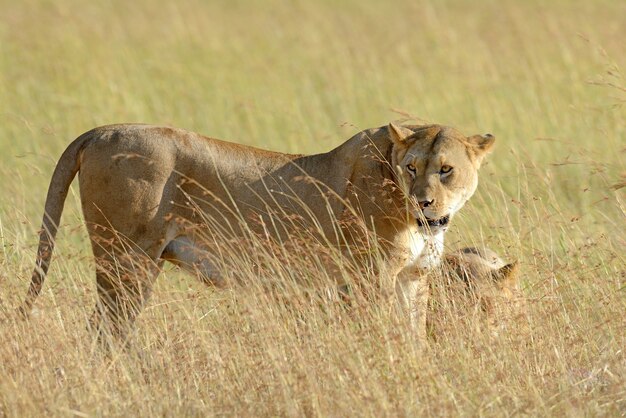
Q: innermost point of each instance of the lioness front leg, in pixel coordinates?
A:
(413, 291)
(412, 285)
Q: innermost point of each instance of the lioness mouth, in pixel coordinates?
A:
(433, 222)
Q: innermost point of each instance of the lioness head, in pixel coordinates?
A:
(437, 169)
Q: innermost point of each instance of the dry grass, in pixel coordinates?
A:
(302, 77)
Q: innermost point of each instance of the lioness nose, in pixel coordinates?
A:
(425, 203)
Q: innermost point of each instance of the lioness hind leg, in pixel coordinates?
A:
(123, 287)
(194, 258)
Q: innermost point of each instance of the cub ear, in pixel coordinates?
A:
(398, 133)
(507, 276)
(482, 145)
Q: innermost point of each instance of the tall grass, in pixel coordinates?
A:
(544, 78)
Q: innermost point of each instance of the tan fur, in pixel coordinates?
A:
(152, 193)
(479, 282)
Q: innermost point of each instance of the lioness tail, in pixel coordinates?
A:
(64, 173)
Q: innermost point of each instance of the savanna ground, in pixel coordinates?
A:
(544, 77)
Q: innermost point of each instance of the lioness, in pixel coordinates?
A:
(483, 287)
(143, 187)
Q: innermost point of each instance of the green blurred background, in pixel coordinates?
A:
(299, 76)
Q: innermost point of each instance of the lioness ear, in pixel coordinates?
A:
(507, 276)
(398, 133)
(482, 145)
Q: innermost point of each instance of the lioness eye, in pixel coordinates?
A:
(411, 168)
(445, 169)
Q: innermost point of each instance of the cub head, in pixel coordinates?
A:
(483, 271)
(478, 278)
(437, 170)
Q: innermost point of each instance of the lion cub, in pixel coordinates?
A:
(476, 287)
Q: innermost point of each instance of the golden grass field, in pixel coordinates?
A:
(544, 77)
